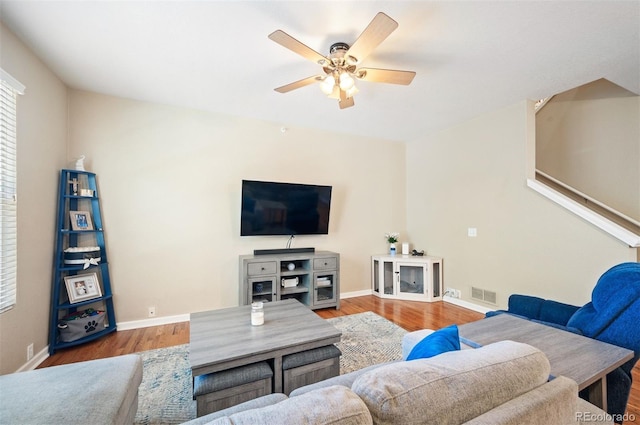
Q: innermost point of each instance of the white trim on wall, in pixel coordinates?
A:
(597, 220)
(156, 321)
(35, 361)
(356, 294)
(13, 82)
(466, 304)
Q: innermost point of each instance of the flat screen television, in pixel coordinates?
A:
(272, 208)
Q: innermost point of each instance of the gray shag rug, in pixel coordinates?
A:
(165, 394)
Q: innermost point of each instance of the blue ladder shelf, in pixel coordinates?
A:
(70, 198)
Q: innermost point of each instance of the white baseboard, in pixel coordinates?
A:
(466, 304)
(156, 321)
(40, 356)
(355, 294)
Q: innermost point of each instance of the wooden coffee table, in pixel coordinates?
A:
(224, 339)
(585, 360)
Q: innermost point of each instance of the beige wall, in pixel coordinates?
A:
(42, 120)
(170, 182)
(589, 138)
(474, 175)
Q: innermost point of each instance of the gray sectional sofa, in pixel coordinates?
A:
(101, 391)
(502, 383)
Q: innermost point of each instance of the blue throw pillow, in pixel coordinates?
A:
(441, 341)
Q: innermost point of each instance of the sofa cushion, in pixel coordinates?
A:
(336, 405)
(587, 413)
(551, 403)
(556, 312)
(614, 309)
(440, 341)
(345, 380)
(453, 387)
(256, 403)
(525, 305)
(96, 391)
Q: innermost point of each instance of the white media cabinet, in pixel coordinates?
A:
(407, 277)
(313, 278)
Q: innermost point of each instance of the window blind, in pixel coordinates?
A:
(9, 90)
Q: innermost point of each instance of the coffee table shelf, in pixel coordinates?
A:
(224, 339)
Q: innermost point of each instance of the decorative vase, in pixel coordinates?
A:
(392, 248)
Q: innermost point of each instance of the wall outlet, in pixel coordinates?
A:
(453, 293)
(152, 312)
(29, 351)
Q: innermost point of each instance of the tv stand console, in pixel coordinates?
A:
(313, 278)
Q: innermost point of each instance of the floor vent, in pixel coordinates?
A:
(484, 295)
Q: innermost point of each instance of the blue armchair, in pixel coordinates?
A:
(612, 316)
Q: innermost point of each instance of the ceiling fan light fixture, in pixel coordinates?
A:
(335, 93)
(340, 66)
(339, 49)
(346, 82)
(328, 84)
(352, 91)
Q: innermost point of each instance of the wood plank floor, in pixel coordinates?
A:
(410, 315)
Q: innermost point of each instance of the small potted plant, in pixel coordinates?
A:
(392, 238)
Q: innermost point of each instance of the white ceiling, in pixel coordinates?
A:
(470, 57)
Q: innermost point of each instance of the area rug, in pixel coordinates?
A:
(367, 339)
(165, 394)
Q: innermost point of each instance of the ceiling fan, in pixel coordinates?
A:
(340, 67)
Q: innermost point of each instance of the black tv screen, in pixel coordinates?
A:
(271, 208)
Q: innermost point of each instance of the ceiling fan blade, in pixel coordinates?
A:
(294, 45)
(391, 76)
(345, 102)
(298, 84)
(378, 29)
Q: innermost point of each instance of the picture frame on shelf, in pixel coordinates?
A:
(80, 220)
(82, 287)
